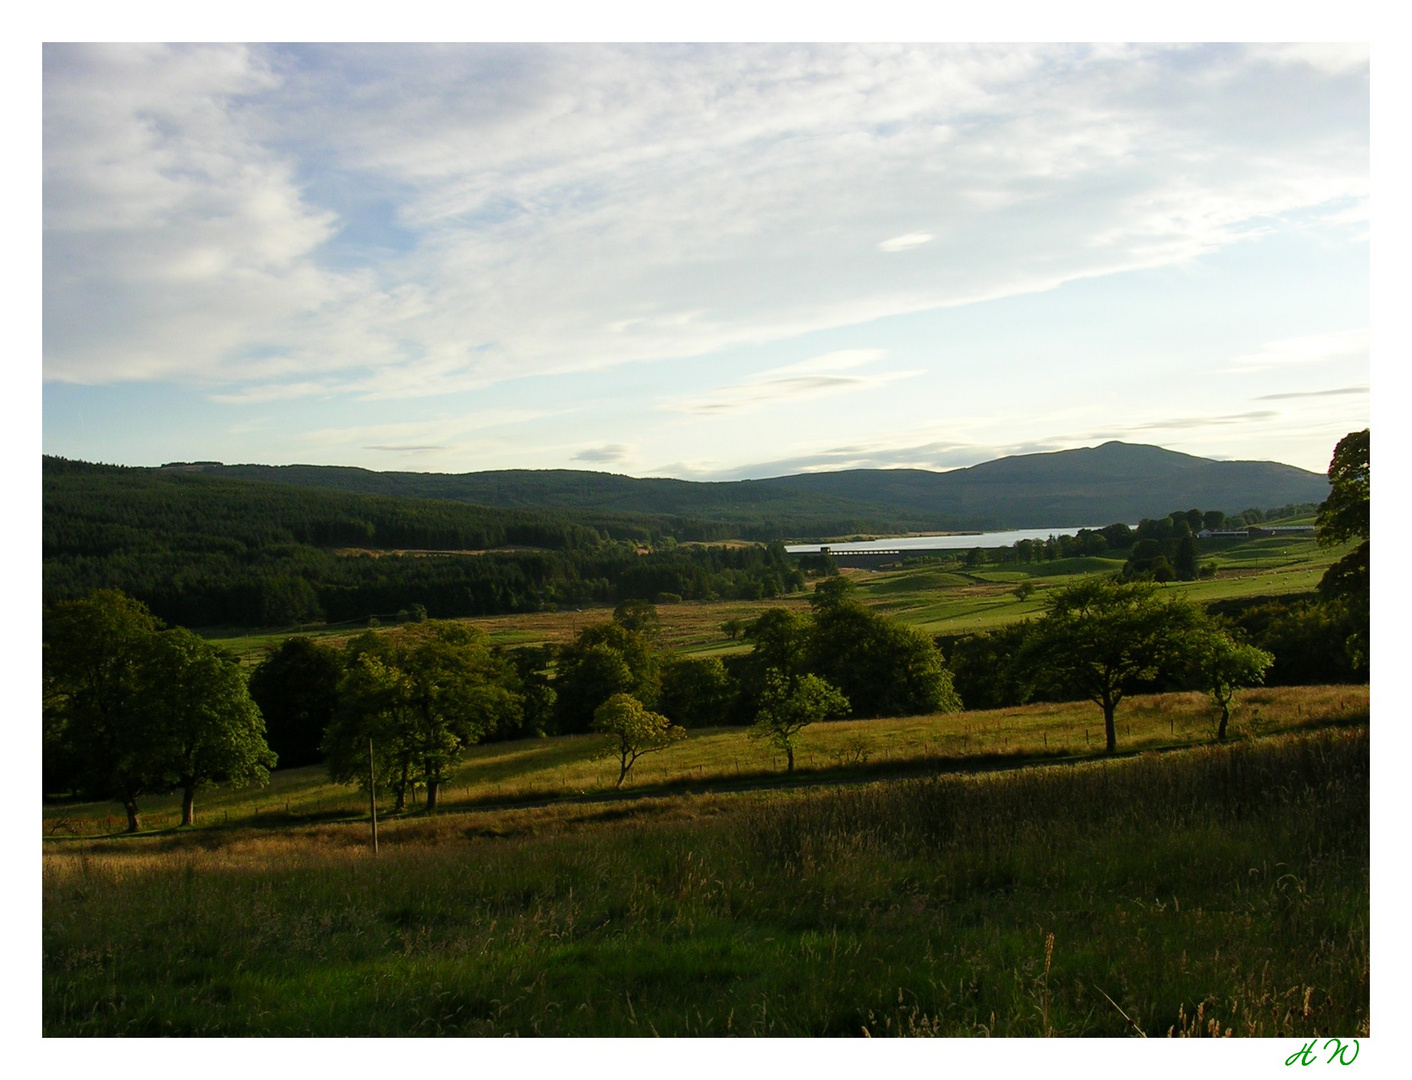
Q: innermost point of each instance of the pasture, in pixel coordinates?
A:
(938, 598)
(974, 873)
(1208, 891)
(569, 767)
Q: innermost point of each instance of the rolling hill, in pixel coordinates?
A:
(1091, 486)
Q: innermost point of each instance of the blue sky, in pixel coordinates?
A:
(702, 261)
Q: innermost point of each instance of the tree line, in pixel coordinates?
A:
(132, 707)
(204, 552)
(1309, 639)
(316, 698)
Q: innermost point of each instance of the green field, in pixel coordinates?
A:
(1206, 891)
(569, 767)
(972, 873)
(937, 598)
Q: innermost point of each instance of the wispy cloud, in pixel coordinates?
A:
(1185, 423)
(609, 454)
(935, 455)
(440, 433)
(906, 241)
(405, 221)
(818, 375)
(1309, 349)
(1340, 392)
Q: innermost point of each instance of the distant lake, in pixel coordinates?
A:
(962, 542)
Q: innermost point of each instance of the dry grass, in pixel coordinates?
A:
(1155, 894)
(569, 767)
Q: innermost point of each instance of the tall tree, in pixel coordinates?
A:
(1345, 515)
(604, 660)
(425, 692)
(1221, 666)
(696, 693)
(296, 689)
(639, 616)
(788, 706)
(206, 727)
(634, 730)
(137, 708)
(882, 667)
(371, 718)
(95, 665)
(1101, 637)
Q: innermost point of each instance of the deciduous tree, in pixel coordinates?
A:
(95, 686)
(882, 667)
(603, 660)
(634, 730)
(1222, 665)
(1345, 515)
(423, 694)
(696, 693)
(1101, 637)
(136, 708)
(788, 706)
(204, 725)
(296, 688)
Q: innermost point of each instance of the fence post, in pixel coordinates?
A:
(373, 795)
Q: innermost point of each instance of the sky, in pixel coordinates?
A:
(708, 262)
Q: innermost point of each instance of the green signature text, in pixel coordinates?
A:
(1308, 1055)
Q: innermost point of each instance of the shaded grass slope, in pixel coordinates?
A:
(1209, 891)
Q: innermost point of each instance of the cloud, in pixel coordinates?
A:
(807, 378)
(1332, 58)
(604, 455)
(907, 240)
(1343, 345)
(440, 433)
(402, 221)
(1185, 423)
(1315, 393)
(937, 455)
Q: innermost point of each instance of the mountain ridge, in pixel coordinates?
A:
(1114, 481)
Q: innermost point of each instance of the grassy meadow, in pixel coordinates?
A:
(1212, 890)
(938, 598)
(570, 767)
(975, 873)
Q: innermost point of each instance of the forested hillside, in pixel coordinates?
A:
(759, 510)
(204, 544)
(204, 551)
(1113, 482)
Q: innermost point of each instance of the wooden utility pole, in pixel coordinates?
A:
(372, 795)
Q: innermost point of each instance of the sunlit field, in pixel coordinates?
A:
(570, 767)
(936, 598)
(1209, 891)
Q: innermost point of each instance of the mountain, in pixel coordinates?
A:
(1091, 486)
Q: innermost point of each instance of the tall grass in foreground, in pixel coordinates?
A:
(1212, 891)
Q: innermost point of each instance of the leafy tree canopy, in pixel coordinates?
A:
(1101, 637)
(204, 726)
(1345, 515)
(131, 708)
(421, 694)
(296, 688)
(634, 730)
(789, 705)
(1221, 665)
